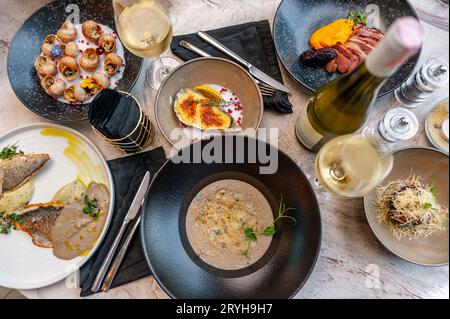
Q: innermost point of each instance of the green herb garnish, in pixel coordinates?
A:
(9, 151)
(7, 222)
(432, 189)
(251, 234)
(428, 206)
(91, 207)
(357, 17)
(5, 229)
(16, 218)
(210, 102)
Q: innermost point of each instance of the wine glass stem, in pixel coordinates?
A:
(164, 70)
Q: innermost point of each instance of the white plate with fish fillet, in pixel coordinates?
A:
(24, 265)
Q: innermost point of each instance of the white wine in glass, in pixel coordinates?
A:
(145, 28)
(351, 166)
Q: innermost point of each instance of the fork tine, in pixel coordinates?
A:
(267, 86)
(264, 89)
(267, 93)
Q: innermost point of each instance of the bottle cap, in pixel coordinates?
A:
(399, 124)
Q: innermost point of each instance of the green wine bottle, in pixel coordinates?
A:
(341, 106)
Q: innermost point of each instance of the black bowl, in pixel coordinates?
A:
(296, 20)
(280, 273)
(26, 46)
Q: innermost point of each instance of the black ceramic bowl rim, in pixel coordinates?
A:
(43, 115)
(312, 90)
(308, 184)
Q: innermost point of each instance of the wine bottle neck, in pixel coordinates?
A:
(401, 42)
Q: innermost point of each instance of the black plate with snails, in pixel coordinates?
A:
(26, 47)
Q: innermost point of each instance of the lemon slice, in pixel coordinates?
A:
(209, 93)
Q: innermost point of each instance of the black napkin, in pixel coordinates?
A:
(252, 41)
(113, 114)
(128, 173)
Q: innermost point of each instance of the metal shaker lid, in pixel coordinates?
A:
(399, 124)
(434, 73)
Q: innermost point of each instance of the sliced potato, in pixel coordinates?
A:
(71, 193)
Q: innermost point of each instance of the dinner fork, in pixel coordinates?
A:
(265, 89)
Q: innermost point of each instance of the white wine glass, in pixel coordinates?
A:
(145, 29)
(351, 166)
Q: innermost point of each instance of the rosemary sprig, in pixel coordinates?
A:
(211, 102)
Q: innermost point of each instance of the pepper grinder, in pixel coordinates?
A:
(398, 124)
(433, 75)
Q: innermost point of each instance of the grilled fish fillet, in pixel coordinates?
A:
(38, 222)
(16, 171)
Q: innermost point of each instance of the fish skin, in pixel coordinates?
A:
(19, 169)
(38, 222)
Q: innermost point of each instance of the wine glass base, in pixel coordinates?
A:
(157, 72)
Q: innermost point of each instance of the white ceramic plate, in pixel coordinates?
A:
(22, 264)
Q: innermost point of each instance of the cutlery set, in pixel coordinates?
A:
(267, 85)
(106, 274)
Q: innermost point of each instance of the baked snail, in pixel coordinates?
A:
(113, 62)
(71, 49)
(75, 93)
(90, 60)
(67, 32)
(107, 42)
(92, 30)
(45, 66)
(53, 86)
(50, 41)
(68, 67)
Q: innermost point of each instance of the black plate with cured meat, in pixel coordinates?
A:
(296, 21)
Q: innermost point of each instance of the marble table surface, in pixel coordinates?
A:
(350, 255)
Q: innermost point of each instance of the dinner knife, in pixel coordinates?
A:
(131, 215)
(257, 73)
(265, 88)
(119, 258)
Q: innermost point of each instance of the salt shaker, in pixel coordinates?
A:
(398, 124)
(433, 75)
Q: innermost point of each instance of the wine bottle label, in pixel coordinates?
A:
(402, 40)
(306, 133)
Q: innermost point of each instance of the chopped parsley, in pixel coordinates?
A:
(91, 207)
(7, 222)
(9, 151)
